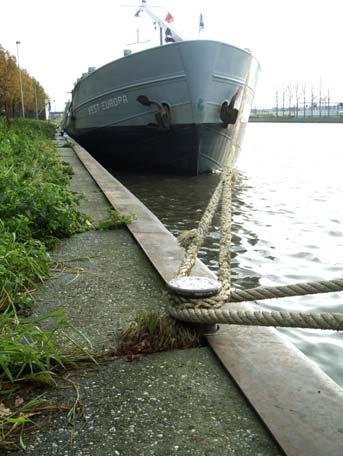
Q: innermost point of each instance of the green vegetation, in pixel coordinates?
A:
(36, 207)
(36, 210)
(152, 331)
(26, 351)
(15, 419)
(115, 220)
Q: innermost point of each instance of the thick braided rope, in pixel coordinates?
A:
(225, 235)
(254, 294)
(197, 236)
(315, 320)
(297, 289)
(191, 250)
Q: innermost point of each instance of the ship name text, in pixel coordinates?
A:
(113, 102)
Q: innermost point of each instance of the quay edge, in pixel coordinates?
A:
(310, 426)
(304, 416)
(177, 402)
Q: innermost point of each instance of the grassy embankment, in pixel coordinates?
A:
(36, 210)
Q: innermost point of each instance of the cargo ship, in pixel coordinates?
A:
(167, 109)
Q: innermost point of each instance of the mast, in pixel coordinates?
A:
(163, 25)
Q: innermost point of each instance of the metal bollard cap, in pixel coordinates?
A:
(193, 286)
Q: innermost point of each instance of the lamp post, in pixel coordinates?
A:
(36, 100)
(21, 82)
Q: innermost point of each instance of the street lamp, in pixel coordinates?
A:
(21, 82)
(36, 100)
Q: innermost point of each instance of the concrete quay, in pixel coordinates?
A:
(180, 402)
(300, 405)
(172, 403)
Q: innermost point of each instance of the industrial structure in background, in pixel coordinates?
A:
(297, 101)
(332, 110)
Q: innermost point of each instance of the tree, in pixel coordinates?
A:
(10, 101)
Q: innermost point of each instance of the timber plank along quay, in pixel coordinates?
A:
(298, 402)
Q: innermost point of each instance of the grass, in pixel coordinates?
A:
(31, 355)
(28, 352)
(37, 209)
(23, 263)
(15, 420)
(115, 220)
(67, 145)
(151, 331)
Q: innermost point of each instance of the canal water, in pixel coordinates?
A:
(287, 220)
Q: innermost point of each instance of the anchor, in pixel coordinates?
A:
(162, 115)
(228, 113)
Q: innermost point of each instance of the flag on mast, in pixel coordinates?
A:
(169, 36)
(169, 18)
(201, 23)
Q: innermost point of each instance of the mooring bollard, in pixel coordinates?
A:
(196, 287)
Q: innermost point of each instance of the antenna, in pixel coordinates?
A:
(138, 41)
(163, 25)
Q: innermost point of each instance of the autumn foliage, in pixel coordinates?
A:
(10, 100)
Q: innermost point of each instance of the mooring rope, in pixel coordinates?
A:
(254, 294)
(193, 239)
(209, 310)
(314, 320)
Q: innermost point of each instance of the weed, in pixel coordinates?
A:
(115, 220)
(36, 207)
(152, 331)
(36, 210)
(67, 144)
(30, 354)
(35, 202)
(14, 419)
(27, 352)
(21, 265)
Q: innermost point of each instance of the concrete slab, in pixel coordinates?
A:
(167, 404)
(300, 404)
(170, 403)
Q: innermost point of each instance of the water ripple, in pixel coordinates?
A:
(286, 220)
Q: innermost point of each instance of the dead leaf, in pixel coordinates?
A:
(19, 400)
(4, 411)
(132, 357)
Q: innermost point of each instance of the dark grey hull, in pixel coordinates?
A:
(192, 78)
(183, 149)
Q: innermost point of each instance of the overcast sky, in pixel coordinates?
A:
(296, 41)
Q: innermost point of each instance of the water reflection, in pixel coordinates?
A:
(179, 203)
